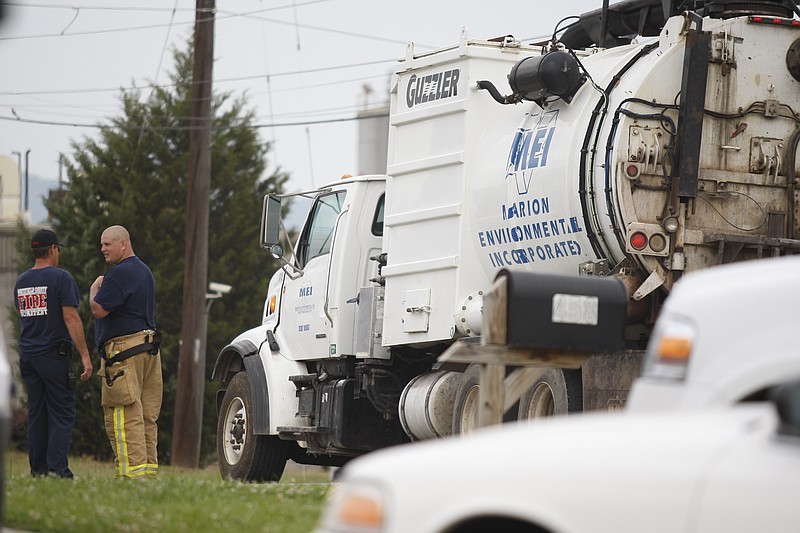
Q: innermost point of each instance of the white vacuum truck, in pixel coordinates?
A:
(646, 140)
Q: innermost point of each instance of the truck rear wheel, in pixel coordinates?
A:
(557, 392)
(467, 403)
(465, 406)
(243, 455)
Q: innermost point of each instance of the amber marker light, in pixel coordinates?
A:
(670, 350)
(674, 349)
(361, 511)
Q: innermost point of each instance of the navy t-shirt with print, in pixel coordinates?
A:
(39, 296)
(128, 293)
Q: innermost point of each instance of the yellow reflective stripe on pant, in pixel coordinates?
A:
(124, 468)
(121, 445)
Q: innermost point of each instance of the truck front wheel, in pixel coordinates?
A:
(556, 392)
(243, 455)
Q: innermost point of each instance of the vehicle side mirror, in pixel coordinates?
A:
(271, 221)
(786, 398)
(276, 250)
(271, 234)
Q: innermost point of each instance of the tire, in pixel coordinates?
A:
(557, 392)
(243, 455)
(466, 404)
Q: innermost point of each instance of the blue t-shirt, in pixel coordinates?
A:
(128, 293)
(39, 296)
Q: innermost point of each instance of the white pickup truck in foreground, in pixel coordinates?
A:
(722, 453)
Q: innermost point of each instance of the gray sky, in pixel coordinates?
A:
(63, 62)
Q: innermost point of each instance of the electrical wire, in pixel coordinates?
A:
(221, 16)
(222, 80)
(187, 128)
(158, 70)
(763, 223)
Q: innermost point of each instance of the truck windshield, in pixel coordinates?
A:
(318, 235)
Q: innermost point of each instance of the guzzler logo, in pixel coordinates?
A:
(432, 87)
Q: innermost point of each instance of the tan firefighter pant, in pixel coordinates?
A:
(131, 405)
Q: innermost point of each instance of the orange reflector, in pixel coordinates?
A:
(361, 511)
(272, 300)
(674, 349)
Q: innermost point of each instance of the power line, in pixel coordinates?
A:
(187, 128)
(224, 80)
(158, 70)
(141, 8)
(296, 114)
(226, 15)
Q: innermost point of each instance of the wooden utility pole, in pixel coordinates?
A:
(188, 423)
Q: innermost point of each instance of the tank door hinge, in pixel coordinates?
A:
(653, 281)
(722, 50)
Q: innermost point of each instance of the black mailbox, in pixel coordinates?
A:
(554, 312)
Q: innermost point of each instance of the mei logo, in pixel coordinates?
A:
(432, 87)
(306, 291)
(530, 148)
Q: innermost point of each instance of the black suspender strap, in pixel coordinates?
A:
(151, 345)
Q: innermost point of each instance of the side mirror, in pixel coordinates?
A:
(271, 234)
(276, 251)
(271, 221)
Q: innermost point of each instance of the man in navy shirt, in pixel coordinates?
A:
(123, 302)
(46, 298)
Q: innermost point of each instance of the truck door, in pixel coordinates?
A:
(303, 310)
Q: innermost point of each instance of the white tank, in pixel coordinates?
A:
(588, 186)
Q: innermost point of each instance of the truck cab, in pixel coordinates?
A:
(293, 387)
(312, 308)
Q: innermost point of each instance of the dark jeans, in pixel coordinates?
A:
(51, 412)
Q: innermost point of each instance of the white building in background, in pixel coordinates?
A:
(373, 134)
(373, 140)
(9, 213)
(372, 151)
(9, 189)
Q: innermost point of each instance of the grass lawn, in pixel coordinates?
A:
(177, 500)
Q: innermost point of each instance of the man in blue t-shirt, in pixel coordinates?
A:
(123, 302)
(46, 298)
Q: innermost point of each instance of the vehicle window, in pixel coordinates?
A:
(377, 220)
(318, 236)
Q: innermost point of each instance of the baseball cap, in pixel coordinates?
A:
(44, 238)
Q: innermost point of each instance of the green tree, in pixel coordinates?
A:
(135, 174)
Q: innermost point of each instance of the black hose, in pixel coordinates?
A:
(499, 98)
(791, 158)
(600, 109)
